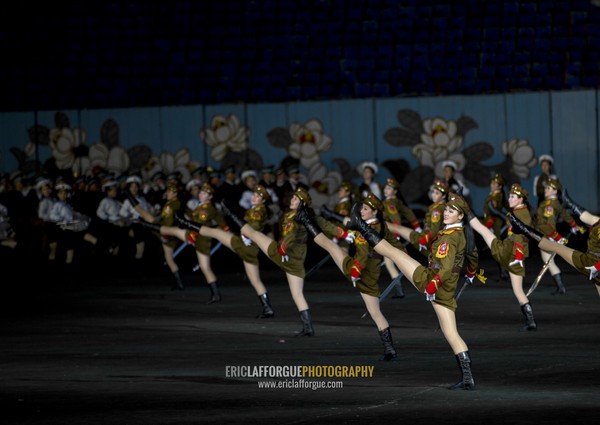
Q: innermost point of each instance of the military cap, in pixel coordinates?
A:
(109, 184)
(159, 175)
(548, 158)
(41, 183)
(373, 201)
(393, 183)
(498, 178)
(198, 171)
(267, 170)
(62, 186)
(458, 203)
(302, 194)
(229, 170)
(440, 185)
(451, 164)
(554, 183)
(92, 181)
(174, 176)
(133, 179)
(346, 186)
(293, 170)
(367, 164)
(192, 183)
(248, 173)
(260, 190)
(214, 173)
(207, 188)
(518, 190)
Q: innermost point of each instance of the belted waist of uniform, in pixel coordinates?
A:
(438, 266)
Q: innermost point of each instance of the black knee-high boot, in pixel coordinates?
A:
(389, 352)
(226, 211)
(331, 215)
(530, 324)
(184, 223)
(519, 227)
(502, 273)
(150, 226)
(178, 283)
(307, 328)
(215, 294)
(398, 286)
(464, 363)
(357, 223)
(267, 312)
(560, 287)
(568, 203)
(305, 216)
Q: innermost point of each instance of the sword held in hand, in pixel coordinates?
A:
(542, 272)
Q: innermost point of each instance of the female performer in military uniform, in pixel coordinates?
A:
(439, 279)
(169, 243)
(512, 251)
(394, 209)
(248, 251)
(588, 262)
(496, 200)
(204, 214)
(341, 210)
(289, 252)
(433, 222)
(363, 268)
(548, 214)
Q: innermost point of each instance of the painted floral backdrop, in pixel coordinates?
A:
(431, 141)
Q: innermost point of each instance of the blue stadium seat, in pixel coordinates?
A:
(483, 85)
(294, 92)
(310, 92)
(381, 90)
(554, 83)
(363, 90)
(572, 81)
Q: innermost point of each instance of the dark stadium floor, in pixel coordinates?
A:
(116, 347)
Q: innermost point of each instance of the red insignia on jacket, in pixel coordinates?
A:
(287, 227)
(442, 250)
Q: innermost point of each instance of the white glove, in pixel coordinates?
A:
(354, 280)
(423, 247)
(285, 258)
(247, 241)
(419, 230)
(515, 262)
(429, 297)
(470, 279)
(350, 237)
(575, 230)
(560, 241)
(593, 271)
